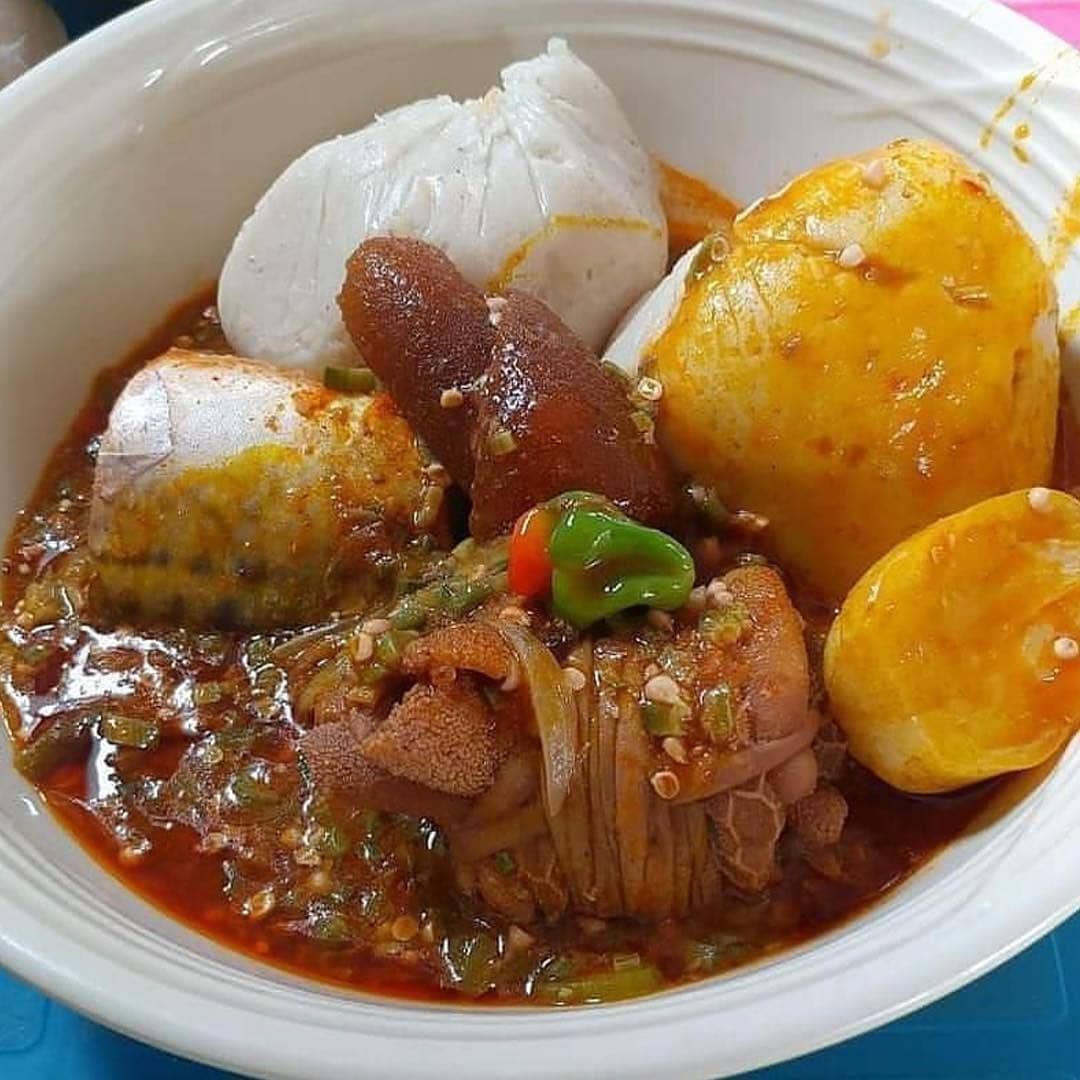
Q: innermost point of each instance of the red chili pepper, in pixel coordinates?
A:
(529, 568)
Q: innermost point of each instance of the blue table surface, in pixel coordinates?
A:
(1018, 1022)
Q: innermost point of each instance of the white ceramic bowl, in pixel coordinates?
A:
(129, 160)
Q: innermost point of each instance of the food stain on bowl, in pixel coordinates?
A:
(1021, 133)
(1023, 87)
(692, 209)
(880, 45)
(1064, 229)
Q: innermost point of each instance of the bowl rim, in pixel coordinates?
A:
(133, 993)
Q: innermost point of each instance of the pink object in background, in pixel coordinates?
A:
(1060, 16)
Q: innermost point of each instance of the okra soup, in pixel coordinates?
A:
(524, 579)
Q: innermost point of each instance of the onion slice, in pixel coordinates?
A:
(553, 709)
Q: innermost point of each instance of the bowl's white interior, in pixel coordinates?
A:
(132, 158)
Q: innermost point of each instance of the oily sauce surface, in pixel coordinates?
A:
(360, 899)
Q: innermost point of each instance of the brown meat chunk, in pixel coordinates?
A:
(749, 821)
(830, 749)
(505, 893)
(615, 847)
(515, 785)
(764, 666)
(796, 778)
(551, 419)
(772, 652)
(424, 330)
(474, 646)
(533, 412)
(819, 817)
(442, 737)
(539, 868)
(535, 888)
(332, 753)
(471, 843)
